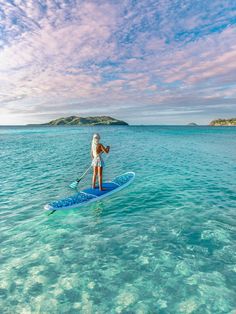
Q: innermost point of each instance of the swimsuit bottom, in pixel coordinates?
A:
(98, 162)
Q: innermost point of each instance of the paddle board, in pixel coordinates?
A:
(90, 195)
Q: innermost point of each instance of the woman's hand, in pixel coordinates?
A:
(105, 149)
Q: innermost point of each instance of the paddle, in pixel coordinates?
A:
(74, 184)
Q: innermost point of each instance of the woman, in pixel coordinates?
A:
(97, 162)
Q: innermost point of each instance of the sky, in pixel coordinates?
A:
(144, 61)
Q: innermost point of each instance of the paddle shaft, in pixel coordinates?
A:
(84, 174)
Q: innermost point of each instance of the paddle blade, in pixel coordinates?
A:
(74, 185)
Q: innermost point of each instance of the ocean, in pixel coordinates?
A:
(165, 244)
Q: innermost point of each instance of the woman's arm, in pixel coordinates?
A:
(91, 153)
(105, 149)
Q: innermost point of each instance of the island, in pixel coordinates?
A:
(223, 122)
(84, 121)
(192, 124)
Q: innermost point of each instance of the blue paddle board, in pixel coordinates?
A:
(90, 195)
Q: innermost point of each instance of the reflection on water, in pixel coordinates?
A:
(97, 211)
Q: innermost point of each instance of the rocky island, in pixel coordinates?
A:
(85, 121)
(223, 122)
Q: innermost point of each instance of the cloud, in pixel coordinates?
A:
(64, 57)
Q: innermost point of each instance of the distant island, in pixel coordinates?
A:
(192, 124)
(88, 121)
(223, 122)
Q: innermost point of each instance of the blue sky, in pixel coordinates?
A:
(147, 62)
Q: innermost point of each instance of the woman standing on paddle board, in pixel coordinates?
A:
(97, 162)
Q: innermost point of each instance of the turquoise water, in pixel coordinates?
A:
(165, 244)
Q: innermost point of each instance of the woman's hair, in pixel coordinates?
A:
(96, 138)
(95, 141)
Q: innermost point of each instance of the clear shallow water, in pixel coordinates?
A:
(166, 244)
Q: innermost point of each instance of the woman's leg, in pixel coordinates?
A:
(100, 178)
(95, 172)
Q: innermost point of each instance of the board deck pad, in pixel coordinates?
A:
(108, 186)
(89, 195)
